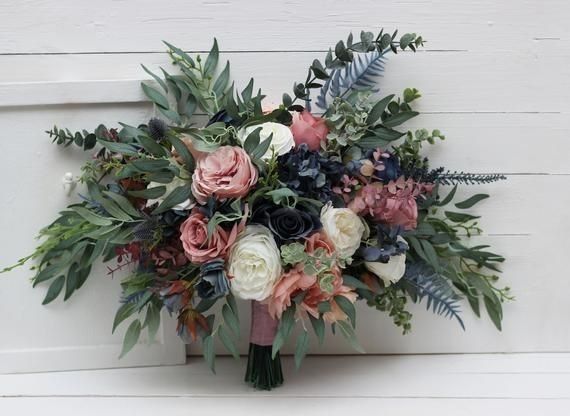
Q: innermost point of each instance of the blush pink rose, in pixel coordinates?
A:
(194, 237)
(309, 129)
(319, 239)
(296, 281)
(289, 283)
(225, 173)
(315, 295)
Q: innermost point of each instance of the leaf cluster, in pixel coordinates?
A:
(344, 53)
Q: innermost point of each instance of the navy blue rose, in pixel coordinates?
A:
(286, 223)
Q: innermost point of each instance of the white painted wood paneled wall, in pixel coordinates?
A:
(494, 77)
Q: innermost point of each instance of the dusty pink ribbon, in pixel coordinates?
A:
(263, 326)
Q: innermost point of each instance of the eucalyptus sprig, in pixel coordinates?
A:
(344, 54)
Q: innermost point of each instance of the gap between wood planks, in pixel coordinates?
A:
(206, 51)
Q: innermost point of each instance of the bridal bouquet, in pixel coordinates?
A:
(302, 208)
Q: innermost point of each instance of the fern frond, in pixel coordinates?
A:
(421, 282)
(360, 74)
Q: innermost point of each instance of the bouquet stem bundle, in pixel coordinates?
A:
(263, 372)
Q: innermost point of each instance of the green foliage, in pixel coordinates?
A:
(317, 264)
(472, 270)
(344, 54)
(83, 139)
(439, 294)
(392, 300)
(284, 329)
(301, 348)
(348, 332)
(131, 337)
(197, 87)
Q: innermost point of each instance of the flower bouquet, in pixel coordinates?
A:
(302, 208)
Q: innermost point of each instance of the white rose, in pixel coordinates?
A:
(389, 272)
(176, 182)
(282, 141)
(254, 263)
(344, 228)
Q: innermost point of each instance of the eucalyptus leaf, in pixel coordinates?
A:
(227, 341)
(378, 109)
(149, 193)
(284, 330)
(208, 352)
(301, 348)
(230, 319)
(155, 96)
(54, 290)
(319, 327)
(212, 59)
(126, 310)
(177, 196)
(468, 203)
(347, 307)
(91, 217)
(131, 337)
(397, 119)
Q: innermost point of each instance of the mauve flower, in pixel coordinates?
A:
(198, 248)
(392, 204)
(225, 173)
(309, 129)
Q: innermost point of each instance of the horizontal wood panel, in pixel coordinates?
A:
(257, 25)
(449, 82)
(238, 406)
(523, 376)
(506, 143)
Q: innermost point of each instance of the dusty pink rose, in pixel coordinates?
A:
(194, 237)
(296, 281)
(309, 129)
(315, 295)
(225, 173)
(393, 203)
(289, 283)
(318, 240)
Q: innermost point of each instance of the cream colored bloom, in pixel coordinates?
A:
(389, 272)
(281, 142)
(344, 228)
(254, 263)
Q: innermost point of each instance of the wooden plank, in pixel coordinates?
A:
(441, 376)
(455, 82)
(256, 25)
(237, 406)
